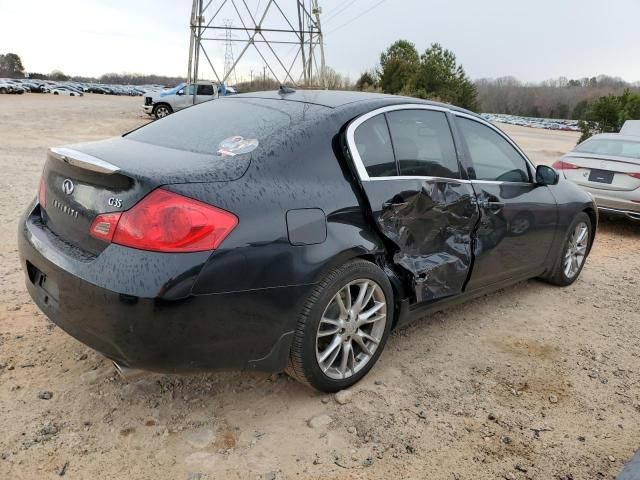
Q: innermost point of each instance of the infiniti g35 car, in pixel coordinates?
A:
(290, 231)
(607, 166)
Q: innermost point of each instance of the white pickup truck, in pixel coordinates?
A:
(161, 104)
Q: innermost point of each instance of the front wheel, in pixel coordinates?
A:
(343, 327)
(574, 252)
(162, 110)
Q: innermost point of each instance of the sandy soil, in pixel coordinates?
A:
(533, 382)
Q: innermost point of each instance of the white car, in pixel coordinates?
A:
(65, 91)
(607, 166)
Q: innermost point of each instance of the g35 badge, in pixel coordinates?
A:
(115, 202)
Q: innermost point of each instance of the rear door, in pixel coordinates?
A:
(518, 217)
(408, 166)
(204, 93)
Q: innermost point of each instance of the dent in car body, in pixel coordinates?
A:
(431, 225)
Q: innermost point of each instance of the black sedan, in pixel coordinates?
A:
(290, 230)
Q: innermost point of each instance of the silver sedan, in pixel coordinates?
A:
(608, 167)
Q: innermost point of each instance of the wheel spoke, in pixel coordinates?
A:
(331, 360)
(376, 307)
(326, 333)
(344, 361)
(362, 344)
(582, 233)
(581, 250)
(330, 321)
(344, 309)
(369, 320)
(335, 343)
(368, 337)
(357, 306)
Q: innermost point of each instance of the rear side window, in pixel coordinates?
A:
(493, 157)
(208, 127)
(374, 146)
(423, 143)
(205, 90)
(614, 147)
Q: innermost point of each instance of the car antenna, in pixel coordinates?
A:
(283, 90)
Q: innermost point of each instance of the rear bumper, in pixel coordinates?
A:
(170, 331)
(619, 201)
(634, 215)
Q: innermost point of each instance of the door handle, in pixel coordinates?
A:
(394, 204)
(490, 205)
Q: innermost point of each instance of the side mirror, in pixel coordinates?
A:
(180, 92)
(545, 175)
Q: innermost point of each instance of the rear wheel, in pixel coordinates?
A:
(343, 327)
(162, 110)
(574, 252)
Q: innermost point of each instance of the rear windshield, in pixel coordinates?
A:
(211, 126)
(618, 148)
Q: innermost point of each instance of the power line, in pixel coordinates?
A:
(338, 11)
(356, 17)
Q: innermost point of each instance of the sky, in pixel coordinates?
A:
(532, 41)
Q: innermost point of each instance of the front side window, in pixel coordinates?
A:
(493, 157)
(374, 146)
(423, 143)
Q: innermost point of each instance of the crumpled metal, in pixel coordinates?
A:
(432, 229)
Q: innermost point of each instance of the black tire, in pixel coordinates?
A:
(3, 90)
(161, 110)
(558, 275)
(303, 363)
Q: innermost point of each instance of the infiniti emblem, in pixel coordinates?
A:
(67, 186)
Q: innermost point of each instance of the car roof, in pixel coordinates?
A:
(340, 98)
(615, 136)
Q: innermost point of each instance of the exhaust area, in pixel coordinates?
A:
(128, 374)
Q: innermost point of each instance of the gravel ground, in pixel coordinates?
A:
(532, 382)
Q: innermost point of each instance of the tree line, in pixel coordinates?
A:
(435, 74)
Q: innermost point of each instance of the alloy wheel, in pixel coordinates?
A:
(162, 112)
(576, 250)
(351, 329)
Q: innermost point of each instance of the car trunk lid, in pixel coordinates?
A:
(603, 172)
(82, 181)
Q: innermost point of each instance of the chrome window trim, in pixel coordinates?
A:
(419, 177)
(82, 160)
(355, 155)
(482, 121)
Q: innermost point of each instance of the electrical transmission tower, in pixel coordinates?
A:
(228, 52)
(284, 36)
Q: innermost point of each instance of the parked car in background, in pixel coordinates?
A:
(166, 102)
(608, 167)
(5, 87)
(64, 90)
(290, 230)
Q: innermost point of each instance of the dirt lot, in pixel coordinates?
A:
(534, 382)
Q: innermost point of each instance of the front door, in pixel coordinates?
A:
(408, 166)
(518, 218)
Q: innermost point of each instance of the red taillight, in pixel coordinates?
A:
(562, 165)
(166, 222)
(634, 175)
(42, 192)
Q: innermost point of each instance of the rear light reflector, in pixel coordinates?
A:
(164, 221)
(634, 175)
(42, 193)
(104, 226)
(562, 165)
